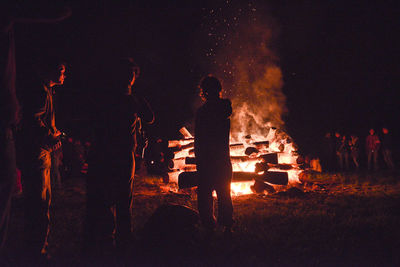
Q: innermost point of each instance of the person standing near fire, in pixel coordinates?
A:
(111, 159)
(211, 144)
(36, 142)
(372, 144)
(387, 145)
(344, 154)
(338, 144)
(354, 150)
(12, 13)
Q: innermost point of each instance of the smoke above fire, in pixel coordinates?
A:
(242, 55)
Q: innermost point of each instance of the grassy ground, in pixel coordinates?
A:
(335, 219)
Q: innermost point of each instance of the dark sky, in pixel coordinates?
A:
(340, 59)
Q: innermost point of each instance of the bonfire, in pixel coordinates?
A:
(261, 164)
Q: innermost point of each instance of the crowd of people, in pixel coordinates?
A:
(343, 152)
(34, 145)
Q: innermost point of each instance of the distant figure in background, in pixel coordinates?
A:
(387, 146)
(315, 164)
(37, 140)
(212, 127)
(338, 143)
(328, 153)
(343, 154)
(372, 144)
(111, 160)
(354, 150)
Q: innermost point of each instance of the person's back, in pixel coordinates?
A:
(212, 155)
(212, 132)
(120, 130)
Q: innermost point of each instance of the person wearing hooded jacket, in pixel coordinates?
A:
(212, 127)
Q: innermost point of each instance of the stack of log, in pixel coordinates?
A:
(267, 172)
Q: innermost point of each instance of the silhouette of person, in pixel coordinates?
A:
(111, 160)
(343, 155)
(328, 152)
(212, 128)
(338, 144)
(354, 150)
(36, 142)
(9, 113)
(10, 14)
(387, 146)
(372, 144)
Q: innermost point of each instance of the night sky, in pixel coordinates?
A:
(339, 59)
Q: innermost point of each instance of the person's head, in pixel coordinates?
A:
(210, 88)
(337, 134)
(385, 130)
(371, 131)
(125, 72)
(51, 71)
(57, 76)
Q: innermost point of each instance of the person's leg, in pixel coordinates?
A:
(124, 203)
(55, 170)
(375, 157)
(346, 160)
(225, 207)
(205, 205)
(369, 157)
(340, 160)
(356, 160)
(99, 220)
(35, 178)
(7, 181)
(123, 215)
(388, 159)
(45, 161)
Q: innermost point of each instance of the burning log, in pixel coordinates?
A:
(261, 143)
(282, 166)
(243, 176)
(179, 143)
(263, 166)
(238, 159)
(179, 163)
(191, 152)
(189, 168)
(234, 147)
(186, 133)
(251, 150)
(260, 187)
(190, 160)
(278, 178)
(181, 154)
(187, 146)
(270, 158)
(190, 178)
